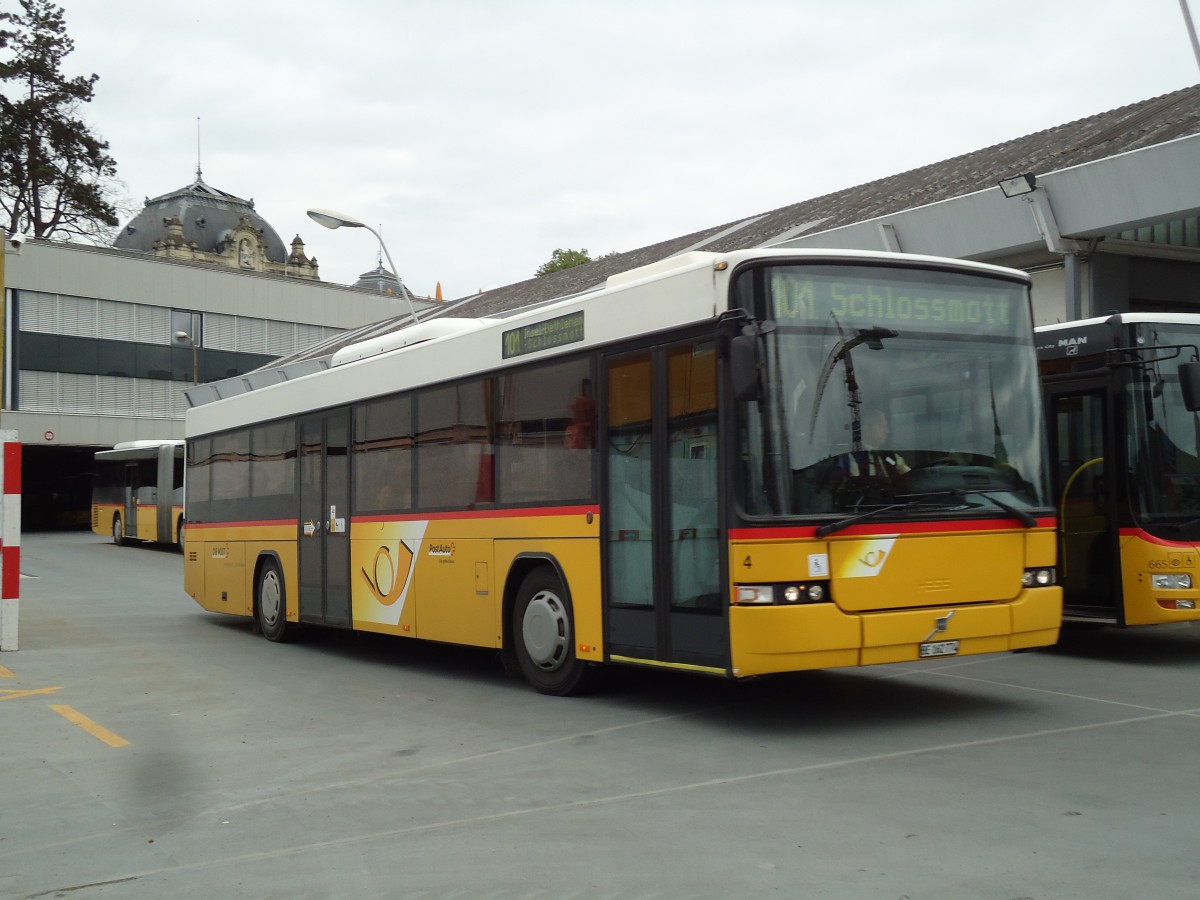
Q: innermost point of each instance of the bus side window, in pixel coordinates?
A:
(545, 433)
(454, 430)
(383, 450)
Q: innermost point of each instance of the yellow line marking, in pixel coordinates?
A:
(97, 731)
(13, 694)
(6, 673)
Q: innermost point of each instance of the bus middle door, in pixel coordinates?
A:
(324, 540)
(131, 497)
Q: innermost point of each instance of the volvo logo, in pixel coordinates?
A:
(940, 624)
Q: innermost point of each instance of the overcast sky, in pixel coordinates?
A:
(482, 135)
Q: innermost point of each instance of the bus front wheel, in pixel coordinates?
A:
(270, 602)
(543, 635)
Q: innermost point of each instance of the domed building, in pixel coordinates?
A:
(200, 223)
(384, 282)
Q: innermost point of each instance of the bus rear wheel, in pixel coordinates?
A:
(270, 602)
(544, 636)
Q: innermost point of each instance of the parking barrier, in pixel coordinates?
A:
(10, 537)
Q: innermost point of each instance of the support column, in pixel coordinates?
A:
(1074, 278)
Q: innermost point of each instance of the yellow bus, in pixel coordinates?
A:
(137, 492)
(671, 470)
(1120, 395)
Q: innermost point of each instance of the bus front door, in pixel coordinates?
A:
(662, 533)
(1086, 529)
(324, 542)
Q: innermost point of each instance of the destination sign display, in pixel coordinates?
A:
(545, 335)
(861, 297)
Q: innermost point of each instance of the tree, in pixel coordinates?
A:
(56, 177)
(563, 259)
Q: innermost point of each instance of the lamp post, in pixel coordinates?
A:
(331, 219)
(184, 336)
(1191, 29)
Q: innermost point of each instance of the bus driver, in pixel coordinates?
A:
(875, 460)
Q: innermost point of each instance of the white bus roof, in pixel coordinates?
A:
(1127, 319)
(689, 288)
(136, 450)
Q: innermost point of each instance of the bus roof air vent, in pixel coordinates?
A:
(690, 260)
(405, 337)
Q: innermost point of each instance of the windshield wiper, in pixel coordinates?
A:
(831, 527)
(961, 493)
(1019, 514)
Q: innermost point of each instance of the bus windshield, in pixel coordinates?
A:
(889, 386)
(1163, 437)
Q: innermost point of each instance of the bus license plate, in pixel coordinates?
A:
(938, 648)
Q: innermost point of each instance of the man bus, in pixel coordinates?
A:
(1120, 399)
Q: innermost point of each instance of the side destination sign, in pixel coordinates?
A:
(545, 335)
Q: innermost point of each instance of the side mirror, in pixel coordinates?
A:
(1189, 384)
(744, 368)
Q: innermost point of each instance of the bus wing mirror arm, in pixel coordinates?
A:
(1189, 384)
(745, 367)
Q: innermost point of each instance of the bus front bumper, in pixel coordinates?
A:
(771, 639)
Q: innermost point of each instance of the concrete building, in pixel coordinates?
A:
(99, 343)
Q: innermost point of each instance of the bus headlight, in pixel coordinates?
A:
(1038, 578)
(1172, 582)
(780, 594)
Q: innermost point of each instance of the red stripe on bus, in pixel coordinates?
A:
(521, 513)
(1151, 539)
(251, 524)
(524, 512)
(876, 529)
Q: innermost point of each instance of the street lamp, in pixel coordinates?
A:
(184, 336)
(331, 219)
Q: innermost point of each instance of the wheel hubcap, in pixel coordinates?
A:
(545, 631)
(269, 598)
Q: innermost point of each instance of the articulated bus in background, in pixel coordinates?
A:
(685, 468)
(137, 492)
(1120, 394)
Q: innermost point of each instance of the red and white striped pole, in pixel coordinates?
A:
(10, 537)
